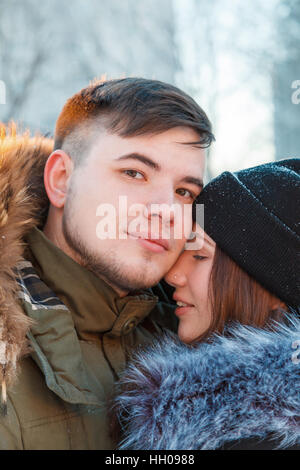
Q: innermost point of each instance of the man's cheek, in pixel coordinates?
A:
(187, 220)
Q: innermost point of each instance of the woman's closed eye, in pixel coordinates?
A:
(199, 257)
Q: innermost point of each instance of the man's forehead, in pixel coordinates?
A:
(171, 148)
(176, 136)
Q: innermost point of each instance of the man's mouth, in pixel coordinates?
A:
(154, 244)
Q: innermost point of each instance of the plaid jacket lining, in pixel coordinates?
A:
(33, 290)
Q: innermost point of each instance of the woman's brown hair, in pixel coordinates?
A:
(235, 296)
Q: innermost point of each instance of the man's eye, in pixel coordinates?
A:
(186, 193)
(134, 174)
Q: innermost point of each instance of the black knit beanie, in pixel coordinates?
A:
(253, 215)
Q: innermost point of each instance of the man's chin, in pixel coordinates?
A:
(136, 278)
(113, 267)
(132, 285)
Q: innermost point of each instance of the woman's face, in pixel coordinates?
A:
(190, 276)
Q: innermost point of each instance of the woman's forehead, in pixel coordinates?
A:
(203, 240)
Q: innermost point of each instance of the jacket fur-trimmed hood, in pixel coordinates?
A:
(244, 386)
(23, 204)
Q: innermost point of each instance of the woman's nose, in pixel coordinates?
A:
(175, 277)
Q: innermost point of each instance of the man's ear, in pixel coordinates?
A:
(58, 170)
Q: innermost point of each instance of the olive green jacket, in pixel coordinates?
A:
(80, 333)
(82, 337)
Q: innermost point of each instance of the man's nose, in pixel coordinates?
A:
(162, 206)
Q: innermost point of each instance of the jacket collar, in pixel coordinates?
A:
(94, 305)
(64, 301)
(238, 387)
(54, 340)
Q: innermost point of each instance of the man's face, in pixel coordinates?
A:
(144, 170)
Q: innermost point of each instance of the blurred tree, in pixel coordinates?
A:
(239, 59)
(51, 49)
(286, 70)
(198, 45)
(23, 50)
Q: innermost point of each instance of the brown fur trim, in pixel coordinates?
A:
(23, 204)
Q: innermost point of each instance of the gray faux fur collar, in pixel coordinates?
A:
(244, 386)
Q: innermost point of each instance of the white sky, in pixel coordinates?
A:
(242, 118)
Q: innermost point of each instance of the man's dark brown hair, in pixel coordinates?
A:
(127, 107)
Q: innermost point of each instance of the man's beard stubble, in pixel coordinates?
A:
(105, 266)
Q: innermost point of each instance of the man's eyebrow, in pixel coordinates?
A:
(142, 158)
(155, 166)
(193, 180)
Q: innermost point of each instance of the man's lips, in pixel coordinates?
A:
(158, 241)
